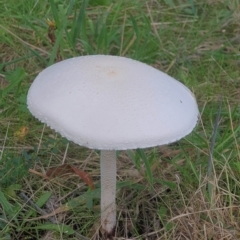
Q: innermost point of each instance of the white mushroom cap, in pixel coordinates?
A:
(112, 103)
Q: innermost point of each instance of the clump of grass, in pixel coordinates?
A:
(162, 192)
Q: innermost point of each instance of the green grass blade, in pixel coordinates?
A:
(55, 13)
(210, 159)
(78, 25)
(6, 206)
(144, 158)
(43, 199)
(14, 78)
(62, 228)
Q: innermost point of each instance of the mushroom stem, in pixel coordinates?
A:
(108, 190)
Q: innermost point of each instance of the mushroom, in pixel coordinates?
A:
(112, 103)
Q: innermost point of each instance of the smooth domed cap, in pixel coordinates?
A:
(109, 102)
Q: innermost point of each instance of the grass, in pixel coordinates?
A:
(162, 192)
